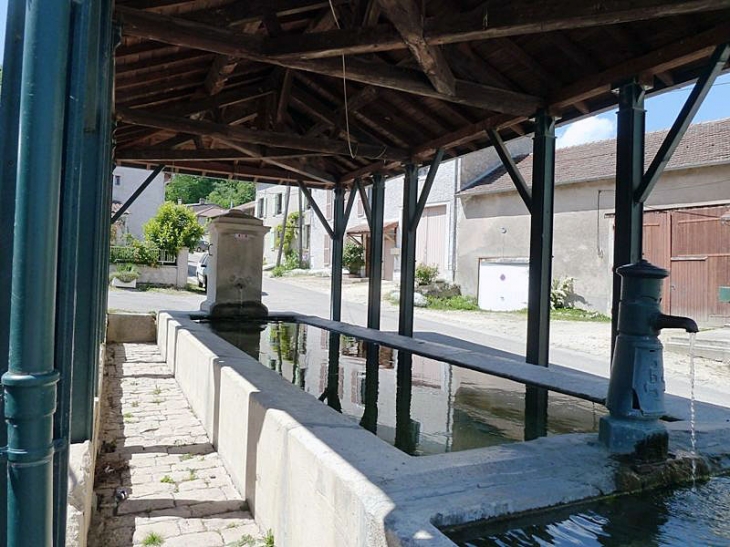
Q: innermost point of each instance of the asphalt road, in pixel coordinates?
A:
(280, 296)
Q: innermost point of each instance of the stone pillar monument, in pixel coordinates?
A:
(235, 266)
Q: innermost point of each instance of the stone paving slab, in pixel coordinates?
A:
(158, 479)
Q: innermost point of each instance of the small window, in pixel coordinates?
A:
(327, 250)
(329, 203)
(260, 208)
(117, 180)
(277, 209)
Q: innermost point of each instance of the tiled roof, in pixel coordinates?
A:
(703, 144)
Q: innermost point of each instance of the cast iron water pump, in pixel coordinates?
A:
(636, 388)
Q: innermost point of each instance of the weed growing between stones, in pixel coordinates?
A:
(152, 540)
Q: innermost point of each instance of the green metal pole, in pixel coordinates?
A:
(68, 281)
(9, 127)
(30, 383)
(86, 335)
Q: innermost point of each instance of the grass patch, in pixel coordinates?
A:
(192, 475)
(186, 457)
(245, 541)
(167, 479)
(269, 539)
(576, 314)
(573, 314)
(157, 390)
(135, 404)
(152, 539)
(127, 416)
(460, 302)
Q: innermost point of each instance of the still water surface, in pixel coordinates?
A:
(676, 518)
(420, 405)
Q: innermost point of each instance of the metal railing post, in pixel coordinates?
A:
(30, 383)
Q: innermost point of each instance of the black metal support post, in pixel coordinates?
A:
(511, 167)
(541, 241)
(9, 126)
(541, 256)
(684, 119)
(142, 187)
(29, 385)
(629, 175)
(408, 252)
(375, 275)
(337, 247)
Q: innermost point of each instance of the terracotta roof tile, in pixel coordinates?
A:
(703, 144)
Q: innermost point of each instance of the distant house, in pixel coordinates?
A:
(204, 212)
(435, 240)
(269, 206)
(685, 225)
(125, 181)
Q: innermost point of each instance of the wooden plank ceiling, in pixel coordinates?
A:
(254, 89)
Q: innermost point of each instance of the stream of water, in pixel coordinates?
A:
(693, 433)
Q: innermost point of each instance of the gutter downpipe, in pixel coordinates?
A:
(29, 385)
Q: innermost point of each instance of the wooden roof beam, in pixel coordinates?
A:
(407, 18)
(252, 137)
(489, 20)
(208, 38)
(169, 155)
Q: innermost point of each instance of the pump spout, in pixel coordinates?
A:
(675, 322)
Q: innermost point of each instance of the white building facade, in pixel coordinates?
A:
(125, 181)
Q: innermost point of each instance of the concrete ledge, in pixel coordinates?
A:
(130, 327)
(314, 477)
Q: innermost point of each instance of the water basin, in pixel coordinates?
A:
(670, 518)
(420, 405)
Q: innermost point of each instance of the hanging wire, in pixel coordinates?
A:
(344, 87)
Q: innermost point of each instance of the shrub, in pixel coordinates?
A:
(277, 271)
(561, 290)
(425, 275)
(172, 228)
(126, 273)
(353, 257)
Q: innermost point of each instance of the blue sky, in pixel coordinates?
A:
(660, 111)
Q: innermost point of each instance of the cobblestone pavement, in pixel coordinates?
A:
(158, 479)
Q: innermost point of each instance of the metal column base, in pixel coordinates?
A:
(647, 439)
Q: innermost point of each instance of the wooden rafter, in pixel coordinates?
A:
(407, 18)
(167, 155)
(252, 137)
(199, 36)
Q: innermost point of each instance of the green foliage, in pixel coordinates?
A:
(290, 232)
(269, 539)
(125, 273)
(353, 257)
(153, 539)
(189, 188)
(227, 193)
(135, 251)
(167, 479)
(459, 302)
(425, 275)
(277, 271)
(173, 227)
(561, 291)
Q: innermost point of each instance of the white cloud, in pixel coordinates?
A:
(588, 130)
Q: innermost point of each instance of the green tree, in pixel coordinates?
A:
(173, 227)
(229, 193)
(189, 188)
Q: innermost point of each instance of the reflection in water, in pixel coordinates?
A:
(662, 519)
(536, 408)
(420, 405)
(370, 396)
